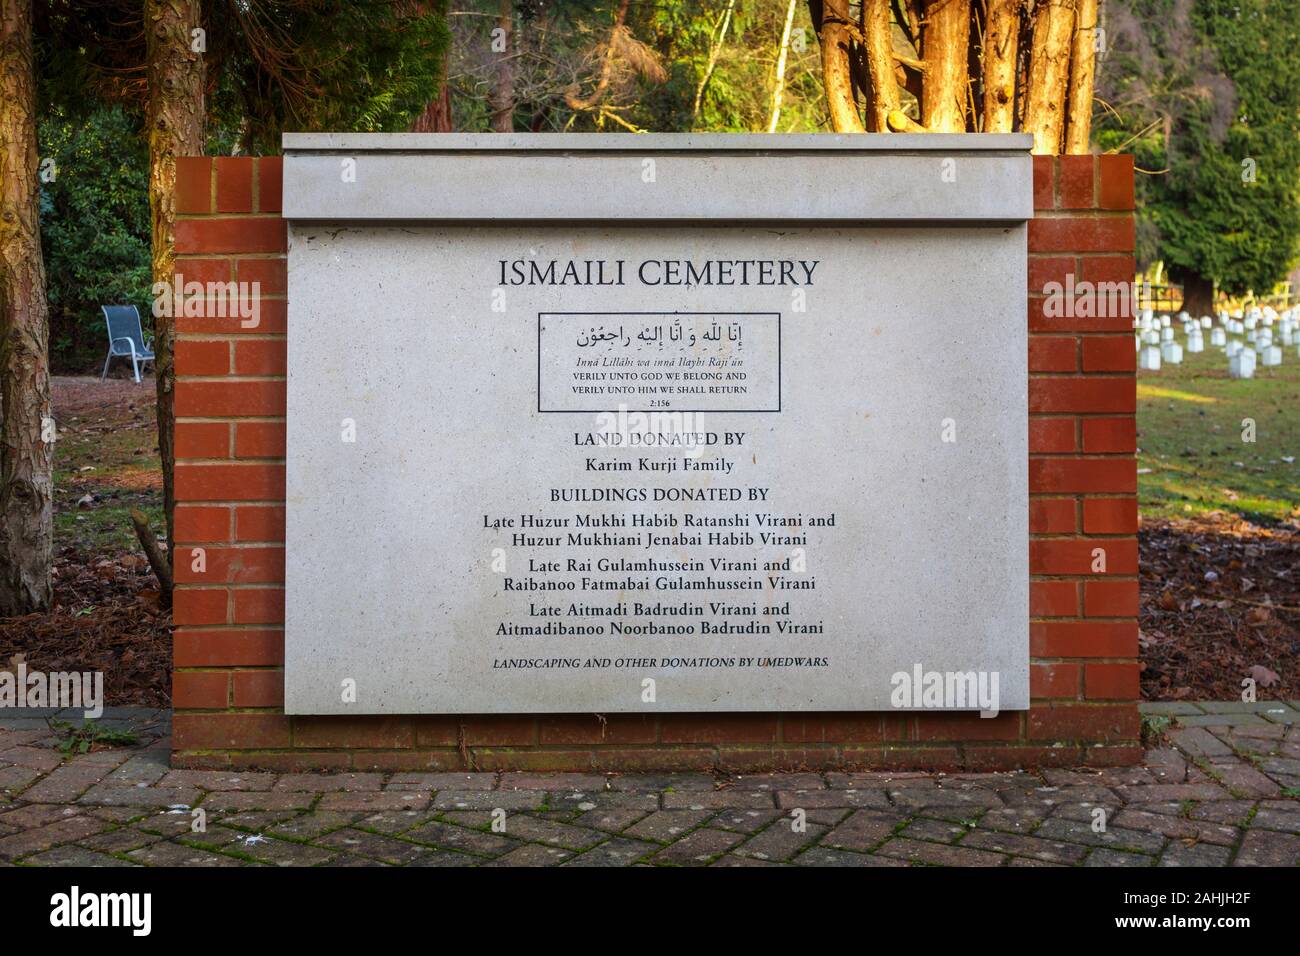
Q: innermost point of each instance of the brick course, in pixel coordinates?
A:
(229, 646)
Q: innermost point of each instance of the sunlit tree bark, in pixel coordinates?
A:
(951, 66)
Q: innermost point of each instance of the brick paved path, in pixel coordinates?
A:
(1225, 793)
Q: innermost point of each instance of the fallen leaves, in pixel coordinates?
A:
(1220, 602)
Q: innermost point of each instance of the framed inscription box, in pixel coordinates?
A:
(664, 423)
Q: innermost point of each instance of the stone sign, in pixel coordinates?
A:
(665, 423)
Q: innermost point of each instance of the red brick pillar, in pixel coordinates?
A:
(229, 608)
(230, 399)
(1082, 471)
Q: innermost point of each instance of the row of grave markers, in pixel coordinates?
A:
(1265, 334)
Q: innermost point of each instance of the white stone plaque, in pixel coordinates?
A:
(544, 463)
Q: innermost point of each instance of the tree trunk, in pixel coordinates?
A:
(1082, 76)
(503, 94)
(883, 98)
(1049, 66)
(1001, 44)
(1198, 294)
(436, 117)
(175, 118)
(778, 88)
(26, 422)
(945, 35)
(835, 35)
(715, 50)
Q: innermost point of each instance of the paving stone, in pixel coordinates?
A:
(937, 831)
(1177, 827)
(449, 837)
(126, 795)
(445, 858)
(218, 780)
(697, 848)
(1242, 779)
(1278, 816)
(15, 779)
(69, 830)
(1272, 709)
(827, 816)
(1280, 765)
(1221, 720)
(76, 856)
(779, 781)
(282, 853)
(1173, 791)
(387, 849)
(660, 782)
(1266, 848)
(141, 769)
(308, 826)
(66, 783)
(442, 781)
(174, 854)
(38, 815)
(832, 797)
(254, 800)
(862, 831)
(532, 854)
(1167, 765)
(917, 851)
(168, 823)
(255, 821)
(33, 758)
(328, 783)
(552, 781)
(1110, 777)
(748, 821)
(729, 860)
(375, 800)
(1102, 857)
(121, 840)
(1070, 831)
(915, 798)
(780, 841)
(607, 800)
(1199, 742)
(875, 779)
(616, 852)
(1049, 851)
(385, 821)
(1045, 798)
(1011, 819)
(523, 827)
(717, 800)
(1233, 813)
(611, 821)
(822, 856)
(489, 800)
(1179, 853)
(666, 825)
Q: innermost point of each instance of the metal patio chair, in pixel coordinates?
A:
(125, 338)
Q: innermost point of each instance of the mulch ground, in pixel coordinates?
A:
(105, 618)
(1220, 604)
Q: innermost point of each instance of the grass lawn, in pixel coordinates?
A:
(1192, 458)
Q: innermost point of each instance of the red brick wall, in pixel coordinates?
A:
(229, 648)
